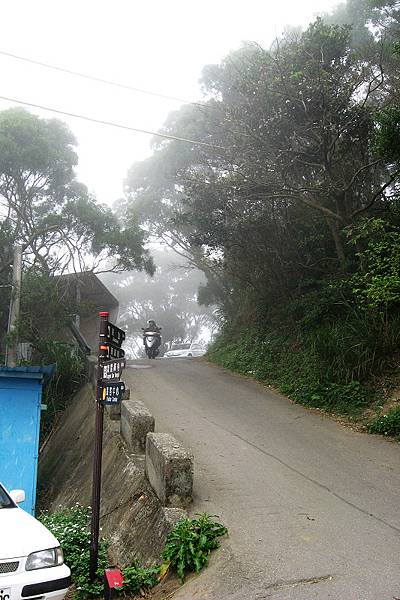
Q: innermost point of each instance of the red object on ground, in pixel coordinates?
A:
(113, 579)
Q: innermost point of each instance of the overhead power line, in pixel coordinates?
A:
(112, 124)
(203, 106)
(98, 79)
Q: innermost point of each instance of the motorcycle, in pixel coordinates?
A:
(152, 343)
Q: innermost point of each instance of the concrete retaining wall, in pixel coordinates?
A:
(168, 465)
(169, 469)
(136, 423)
(132, 516)
(142, 496)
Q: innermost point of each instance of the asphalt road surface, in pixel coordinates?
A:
(312, 507)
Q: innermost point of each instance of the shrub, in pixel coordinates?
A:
(188, 547)
(69, 376)
(71, 528)
(388, 424)
(325, 368)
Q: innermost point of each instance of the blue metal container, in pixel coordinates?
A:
(20, 405)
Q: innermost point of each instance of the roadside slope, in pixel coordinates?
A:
(131, 515)
(312, 507)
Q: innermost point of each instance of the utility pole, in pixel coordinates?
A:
(15, 302)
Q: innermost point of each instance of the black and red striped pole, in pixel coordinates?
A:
(98, 449)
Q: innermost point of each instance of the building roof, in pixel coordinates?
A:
(44, 372)
(92, 289)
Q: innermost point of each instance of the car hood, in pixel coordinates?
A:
(176, 352)
(21, 534)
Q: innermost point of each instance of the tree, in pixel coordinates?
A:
(290, 165)
(46, 210)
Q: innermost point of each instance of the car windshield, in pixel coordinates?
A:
(5, 500)
(181, 347)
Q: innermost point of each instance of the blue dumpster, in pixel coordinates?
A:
(20, 405)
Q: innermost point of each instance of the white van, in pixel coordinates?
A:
(31, 560)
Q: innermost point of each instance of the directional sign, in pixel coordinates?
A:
(111, 393)
(112, 369)
(114, 334)
(113, 351)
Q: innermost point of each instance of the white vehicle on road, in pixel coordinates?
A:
(185, 350)
(31, 560)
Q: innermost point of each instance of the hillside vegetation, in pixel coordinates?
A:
(291, 207)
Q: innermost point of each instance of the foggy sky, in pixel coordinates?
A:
(157, 45)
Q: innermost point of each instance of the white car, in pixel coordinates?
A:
(185, 350)
(31, 560)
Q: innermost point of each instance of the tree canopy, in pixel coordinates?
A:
(46, 210)
(294, 165)
(59, 225)
(292, 208)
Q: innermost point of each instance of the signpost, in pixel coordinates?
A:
(112, 369)
(113, 351)
(115, 335)
(109, 391)
(112, 392)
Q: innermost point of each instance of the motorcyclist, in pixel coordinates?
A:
(152, 327)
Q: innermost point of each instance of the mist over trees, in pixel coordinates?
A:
(169, 297)
(291, 208)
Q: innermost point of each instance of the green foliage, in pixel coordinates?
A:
(71, 527)
(69, 376)
(138, 579)
(39, 319)
(387, 424)
(188, 547)
(40, 324)
(327, 367)
(377, 283)
(47, 211)
(190, 543)
(387, 139)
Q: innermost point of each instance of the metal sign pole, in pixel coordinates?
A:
(98, 447)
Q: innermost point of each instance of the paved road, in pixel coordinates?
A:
(313, 508)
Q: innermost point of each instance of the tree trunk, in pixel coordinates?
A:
(11, 350)
(333, 226)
